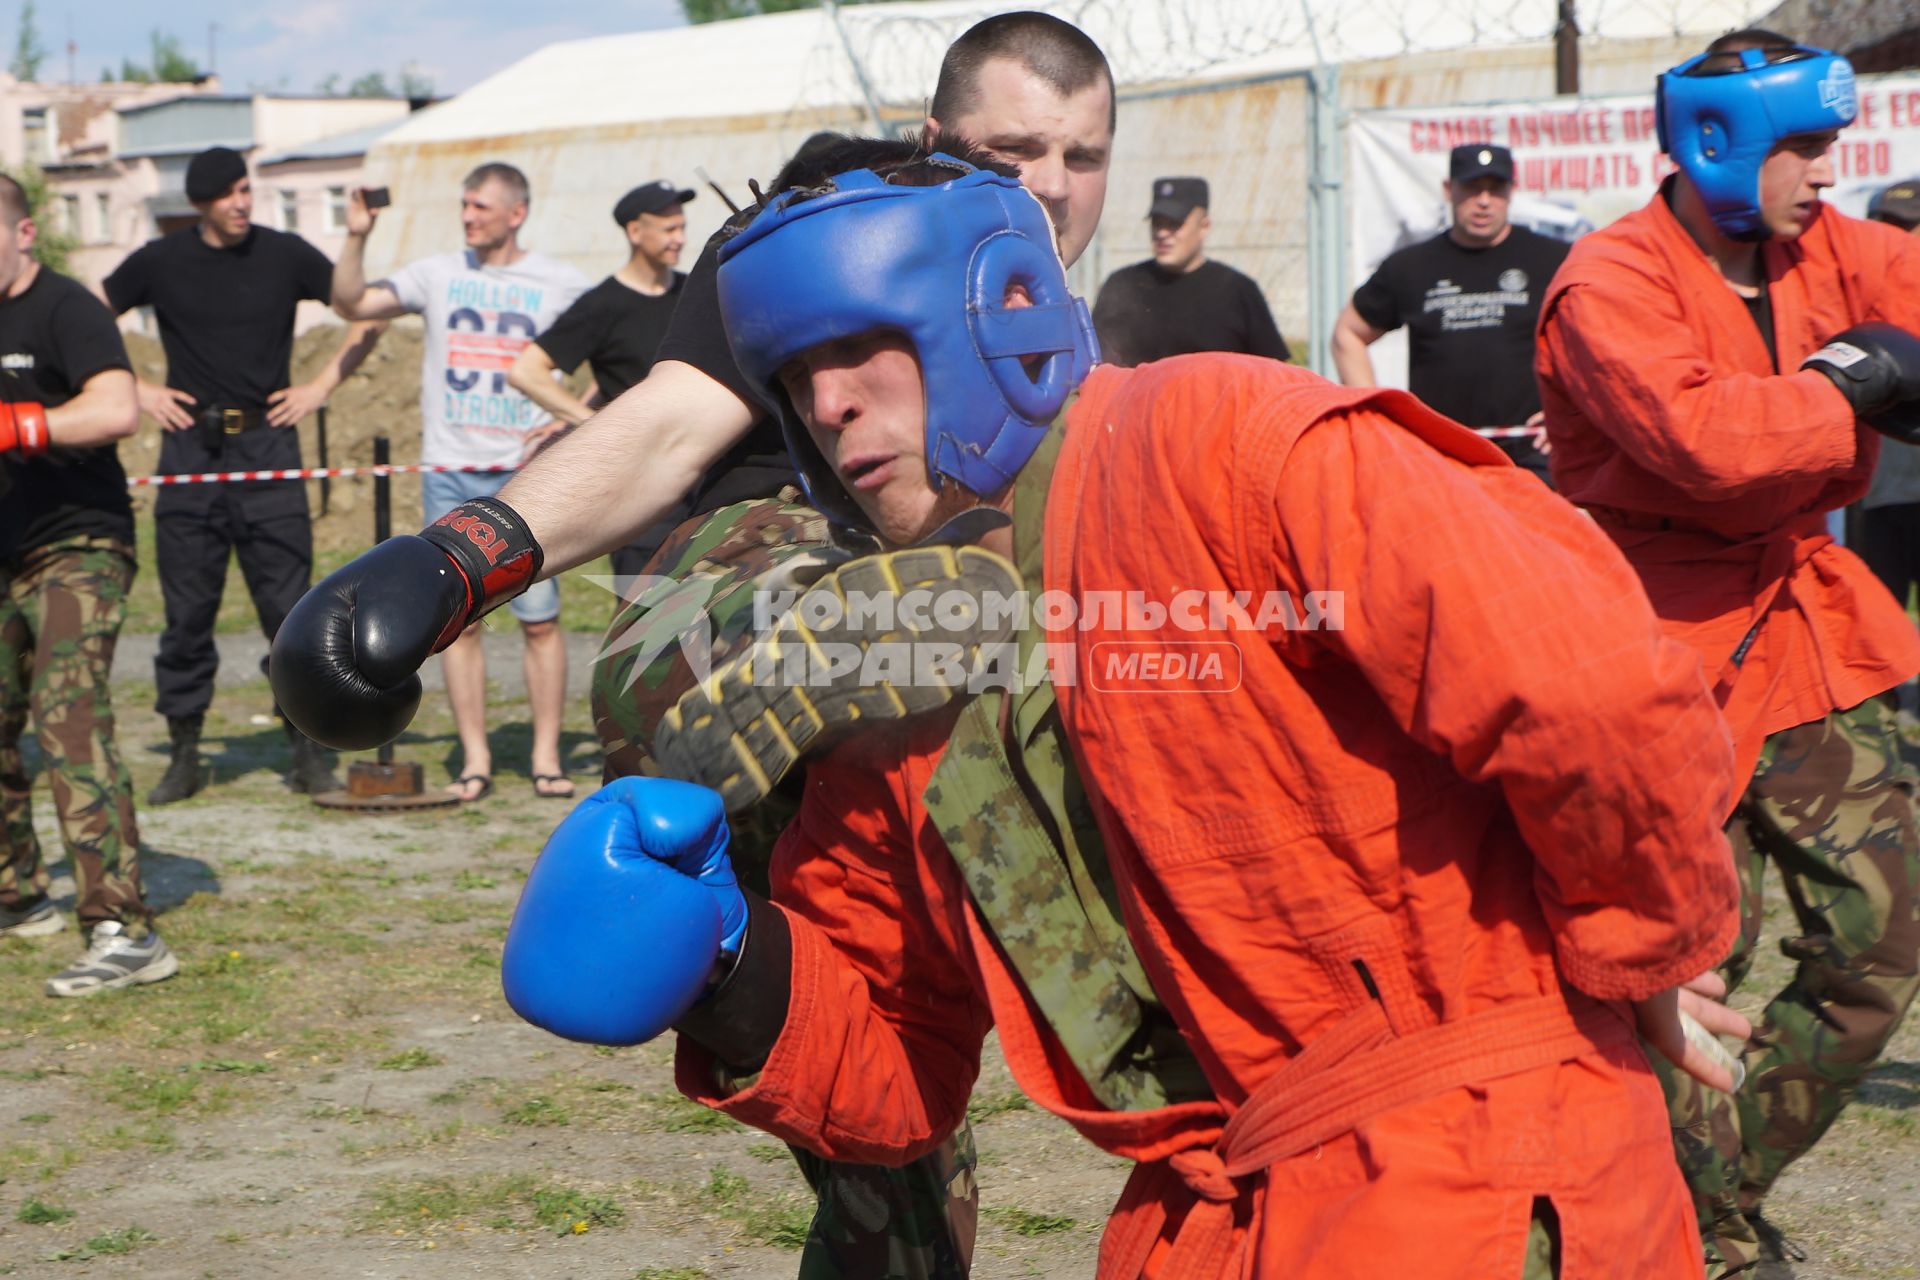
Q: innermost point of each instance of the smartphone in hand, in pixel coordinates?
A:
(377, 197)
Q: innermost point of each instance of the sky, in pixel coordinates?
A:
(293, 45)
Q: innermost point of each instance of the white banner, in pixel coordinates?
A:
(1578, 163)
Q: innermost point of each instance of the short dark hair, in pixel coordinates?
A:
(902, 162)
(1058, 52)
(506, 175)
(14, 204)
(1723, 55)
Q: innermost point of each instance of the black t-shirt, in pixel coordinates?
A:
(226, 315)
(1147, 314)
(53, 338)
(758, 465)
(616, 329)
(1470, 315)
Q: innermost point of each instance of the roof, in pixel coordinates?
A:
(337, 146)
(783, 63)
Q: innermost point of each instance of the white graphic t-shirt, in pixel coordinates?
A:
(478, 318)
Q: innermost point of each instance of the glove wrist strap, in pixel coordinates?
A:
(741, 1020)
(495, 552)
(30, 435)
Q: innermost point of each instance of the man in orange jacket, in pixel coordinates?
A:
(1717, 369)
(1403, 840)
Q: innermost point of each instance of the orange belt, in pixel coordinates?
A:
(1355, 1071)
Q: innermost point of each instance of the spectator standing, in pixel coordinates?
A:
(1703, 362)
(1469, 297)
(481, 307)
(1180, 300)
(224, 292)
(616, 327)
(66, 561)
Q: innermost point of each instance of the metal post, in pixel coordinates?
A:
(1566, 50)
(320, 439)
(1326, 227)
(382, 529)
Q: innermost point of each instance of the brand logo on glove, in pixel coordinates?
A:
(478, 532)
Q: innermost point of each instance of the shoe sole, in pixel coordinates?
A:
(741, 736)
(36, 927)
(159, 971)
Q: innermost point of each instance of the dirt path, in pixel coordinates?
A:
(333, 1088)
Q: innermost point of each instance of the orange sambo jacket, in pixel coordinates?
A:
(1394, 879)
(1712, 471)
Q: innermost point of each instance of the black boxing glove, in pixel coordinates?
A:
(345, 663)
(1877, 368)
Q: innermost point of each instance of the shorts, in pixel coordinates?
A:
(442, 491)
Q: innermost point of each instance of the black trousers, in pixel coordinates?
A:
(1889, 542)
(266, 525)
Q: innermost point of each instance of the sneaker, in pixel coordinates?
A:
(748, 723)
(1777, 1251)
(34, 920)
(115, 960)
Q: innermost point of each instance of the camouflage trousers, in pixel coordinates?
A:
(1832, 806)
(912, 1223)
(60, 615)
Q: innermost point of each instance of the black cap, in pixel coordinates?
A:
(1898, 204)
(1177, 197)
(212, 173)
(1480, 160)
(651, 198)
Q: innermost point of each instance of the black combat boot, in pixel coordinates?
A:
(183, 776)
(310, 775)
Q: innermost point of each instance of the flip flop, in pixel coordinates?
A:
(549, 779)
(486, 787)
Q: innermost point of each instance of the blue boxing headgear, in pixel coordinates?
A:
(1720, 126)
(933, 264)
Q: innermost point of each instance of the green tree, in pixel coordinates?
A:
(54, 244)
(28, 52)
(414, 83)
(409, 83)
(168, 64)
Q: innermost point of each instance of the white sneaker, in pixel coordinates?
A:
(115, 960)
(33, 921)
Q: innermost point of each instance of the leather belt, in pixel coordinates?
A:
(232, 421)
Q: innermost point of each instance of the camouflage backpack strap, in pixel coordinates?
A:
(1009, 805)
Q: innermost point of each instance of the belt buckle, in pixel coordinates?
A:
(233, 421)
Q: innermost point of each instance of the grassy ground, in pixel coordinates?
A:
(334, 1087)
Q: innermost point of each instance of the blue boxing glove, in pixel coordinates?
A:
(625, 914)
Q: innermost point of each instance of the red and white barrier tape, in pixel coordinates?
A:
(1505, 433)
(303, 473)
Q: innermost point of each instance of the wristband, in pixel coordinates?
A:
(495, 553)
(29, 423)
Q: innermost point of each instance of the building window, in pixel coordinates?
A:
(336, 209)
(33, 124)
(70, 215)
(289, 210)
(103, 216)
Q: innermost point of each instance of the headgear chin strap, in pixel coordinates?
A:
(933, 264)
(1720, 126)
